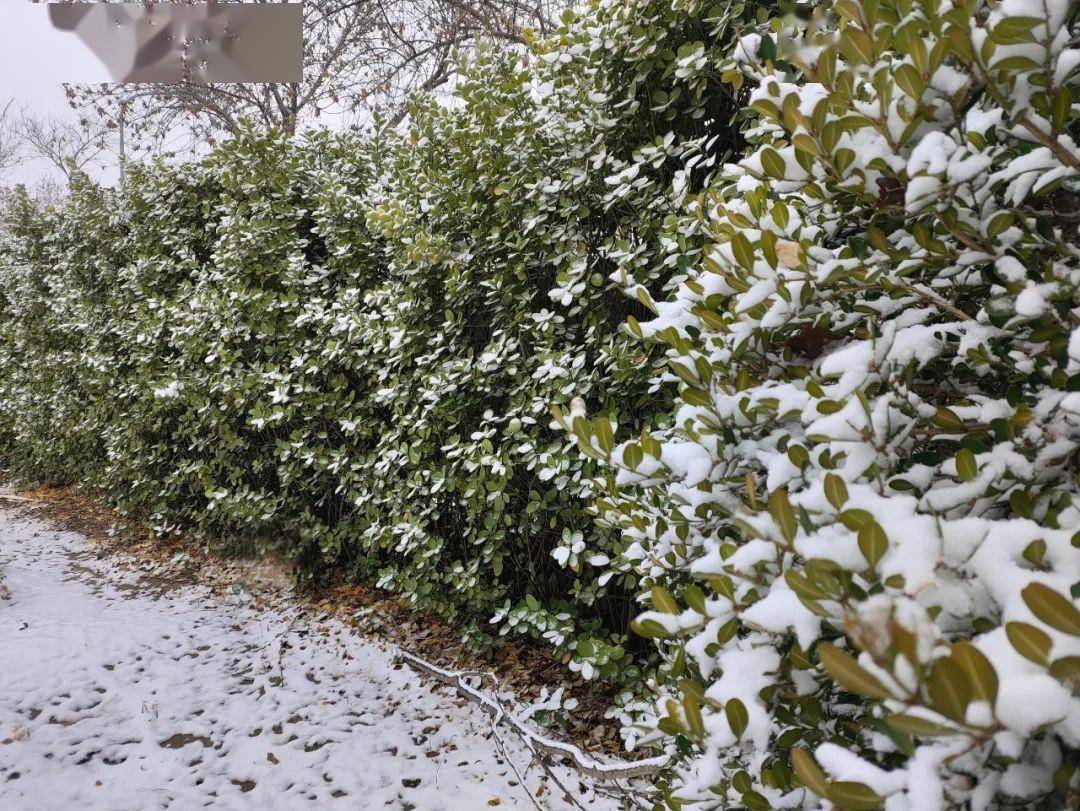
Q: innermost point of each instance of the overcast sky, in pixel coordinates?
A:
(35, 59)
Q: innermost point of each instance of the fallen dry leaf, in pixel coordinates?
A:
(789, 253)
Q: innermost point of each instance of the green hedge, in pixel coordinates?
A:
(851, 375)
(346, 347)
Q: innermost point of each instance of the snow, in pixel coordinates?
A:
(931, 155)
(1074, 345)
(747, 48)
(169, 392)
(781, 609)
(1011, 269)
(114, 696)
(843, 765)
(745, 671)
(1033, 300)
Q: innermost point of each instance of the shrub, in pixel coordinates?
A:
(859, 533)
(503, 218)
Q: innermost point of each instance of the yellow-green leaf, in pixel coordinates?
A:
(948, 419)
(1014, 30)
(632, 455)
(855, 519)
(782, 512)
(1060, 108)
(742, 250)
(773, 163)
(809, 773)
(855, 44)
(1029, 641)
(950, 690)
(649, 628)
(835, 490)
(999, 223)
(604, 435)
(692, 395)
(854, 796)
(843, 158)
(663, 600)
(914, 725)
(981, 674)
(849, 673)
(1052, 608)
(1016, 64)
(737, 716)
(1034, 552)
(692, 711)
(805, 143)
(1067, 668)
(966, 466)
(780, 214)
(805, 589)
(910, 81)
(873, 542)
(695, 688)
(582, 430)
(646, 300)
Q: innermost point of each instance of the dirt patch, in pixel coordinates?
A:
(178, 561)
(182, 739)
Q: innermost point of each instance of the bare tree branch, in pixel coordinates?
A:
(361, 56)
(67, 145)
(11, 148)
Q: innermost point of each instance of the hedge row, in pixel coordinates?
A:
(345, 347)
(835, 454)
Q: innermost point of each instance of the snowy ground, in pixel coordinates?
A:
(117, 696)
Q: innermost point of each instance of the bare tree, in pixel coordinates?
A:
(360, 56)
(68, 145)
(413, 42)
(48, 191)
(11, 147)
(11, 154)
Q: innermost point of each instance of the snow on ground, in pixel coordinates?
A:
(113, 696)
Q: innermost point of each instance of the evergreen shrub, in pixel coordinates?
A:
(345, 347)
(858, 534)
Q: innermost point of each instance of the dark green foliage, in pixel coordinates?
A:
(346, 348)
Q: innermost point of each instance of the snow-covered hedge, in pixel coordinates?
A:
(346, 348)
(859, 537)
(852, 494)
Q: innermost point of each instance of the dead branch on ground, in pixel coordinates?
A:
(537, 742)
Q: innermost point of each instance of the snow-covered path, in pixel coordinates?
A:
(113, 696)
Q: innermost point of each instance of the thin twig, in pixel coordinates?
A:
(501, 746)
(936, 300)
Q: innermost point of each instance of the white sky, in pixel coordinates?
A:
(35, 59)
